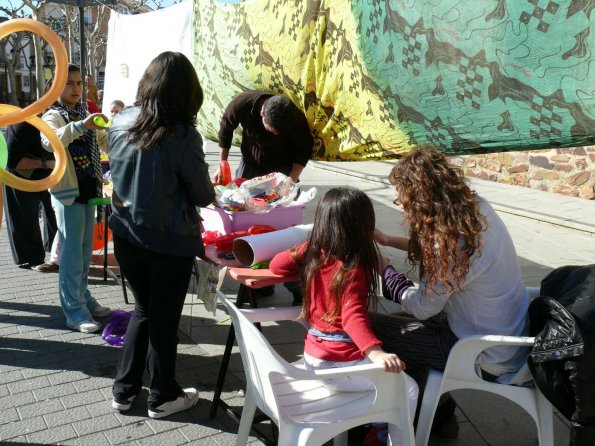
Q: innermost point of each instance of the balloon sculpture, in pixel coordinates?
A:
(9, 114)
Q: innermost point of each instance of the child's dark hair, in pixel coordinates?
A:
(343, 231)
(71, 68)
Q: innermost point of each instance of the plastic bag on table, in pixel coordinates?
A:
(229, 197)
(261, 194)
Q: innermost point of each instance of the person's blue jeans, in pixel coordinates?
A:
(75, 229)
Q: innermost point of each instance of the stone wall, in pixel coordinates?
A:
(569, 171)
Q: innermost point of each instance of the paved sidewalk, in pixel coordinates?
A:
(55, 384)
(557, 209)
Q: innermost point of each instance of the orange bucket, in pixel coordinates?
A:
(98, 236)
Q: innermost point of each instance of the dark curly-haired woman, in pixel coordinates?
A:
(468, 272)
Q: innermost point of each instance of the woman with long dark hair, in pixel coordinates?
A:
(160, 177)
(469, 272)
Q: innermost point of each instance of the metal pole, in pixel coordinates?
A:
(82, 47)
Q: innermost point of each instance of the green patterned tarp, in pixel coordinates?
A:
(375, 78)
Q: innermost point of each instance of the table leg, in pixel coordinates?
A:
(106, 271)
(105, 242)
(231, 337)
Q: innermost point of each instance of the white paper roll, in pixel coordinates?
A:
(257, 248)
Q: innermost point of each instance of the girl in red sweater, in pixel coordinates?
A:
(338, 268)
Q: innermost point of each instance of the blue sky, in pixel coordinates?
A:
(16, 3)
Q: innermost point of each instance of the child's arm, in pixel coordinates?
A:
(390, 361)
(285, 263)
(395, 241)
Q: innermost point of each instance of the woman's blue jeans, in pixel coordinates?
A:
(75, 229)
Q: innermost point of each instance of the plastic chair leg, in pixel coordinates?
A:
(341, 439)
(545, 424)
(246, 421)
(428, 408)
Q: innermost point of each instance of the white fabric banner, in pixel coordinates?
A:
(134, 40)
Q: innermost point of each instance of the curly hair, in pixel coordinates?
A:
(445, 224)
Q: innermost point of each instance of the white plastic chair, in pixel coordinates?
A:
(460, 373)
(305, 411)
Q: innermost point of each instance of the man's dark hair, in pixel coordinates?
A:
(278, 112)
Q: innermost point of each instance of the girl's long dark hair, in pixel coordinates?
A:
(343, 231)
(445, 224)
(168, 93)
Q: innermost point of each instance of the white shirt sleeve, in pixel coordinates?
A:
(66, 132)
(423, 303)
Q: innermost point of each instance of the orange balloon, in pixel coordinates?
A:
(59, 153)
(60, 77)
(13, 115)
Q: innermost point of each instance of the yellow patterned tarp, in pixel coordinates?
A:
(377, 77)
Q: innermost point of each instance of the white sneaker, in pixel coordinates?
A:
(123, 405)
(101, 311)
(89, 326)
(181, 403)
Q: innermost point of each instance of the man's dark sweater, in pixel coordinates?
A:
(263, 152)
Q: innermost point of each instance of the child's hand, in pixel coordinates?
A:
(390, 361)
(89, 123)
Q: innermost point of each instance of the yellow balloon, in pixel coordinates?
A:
(59, 153)
(13, 115)
(60, 76)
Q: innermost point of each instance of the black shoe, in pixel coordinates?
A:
(47, 267)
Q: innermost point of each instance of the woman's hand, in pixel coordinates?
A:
(396, 241)
(390, 361)
(380, 237)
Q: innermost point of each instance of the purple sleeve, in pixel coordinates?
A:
(394, 284)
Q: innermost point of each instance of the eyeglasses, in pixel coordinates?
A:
(396, 201)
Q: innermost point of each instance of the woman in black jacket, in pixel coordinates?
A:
(159, 177)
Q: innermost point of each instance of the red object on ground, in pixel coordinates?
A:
(98, 236)
(224, 173)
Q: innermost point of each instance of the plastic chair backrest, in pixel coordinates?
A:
(259, 359)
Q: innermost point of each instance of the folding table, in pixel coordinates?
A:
(249, 280)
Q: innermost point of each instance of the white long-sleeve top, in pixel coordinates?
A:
(491, 300)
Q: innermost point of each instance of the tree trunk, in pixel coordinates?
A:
(39, 72)
(12, 84)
